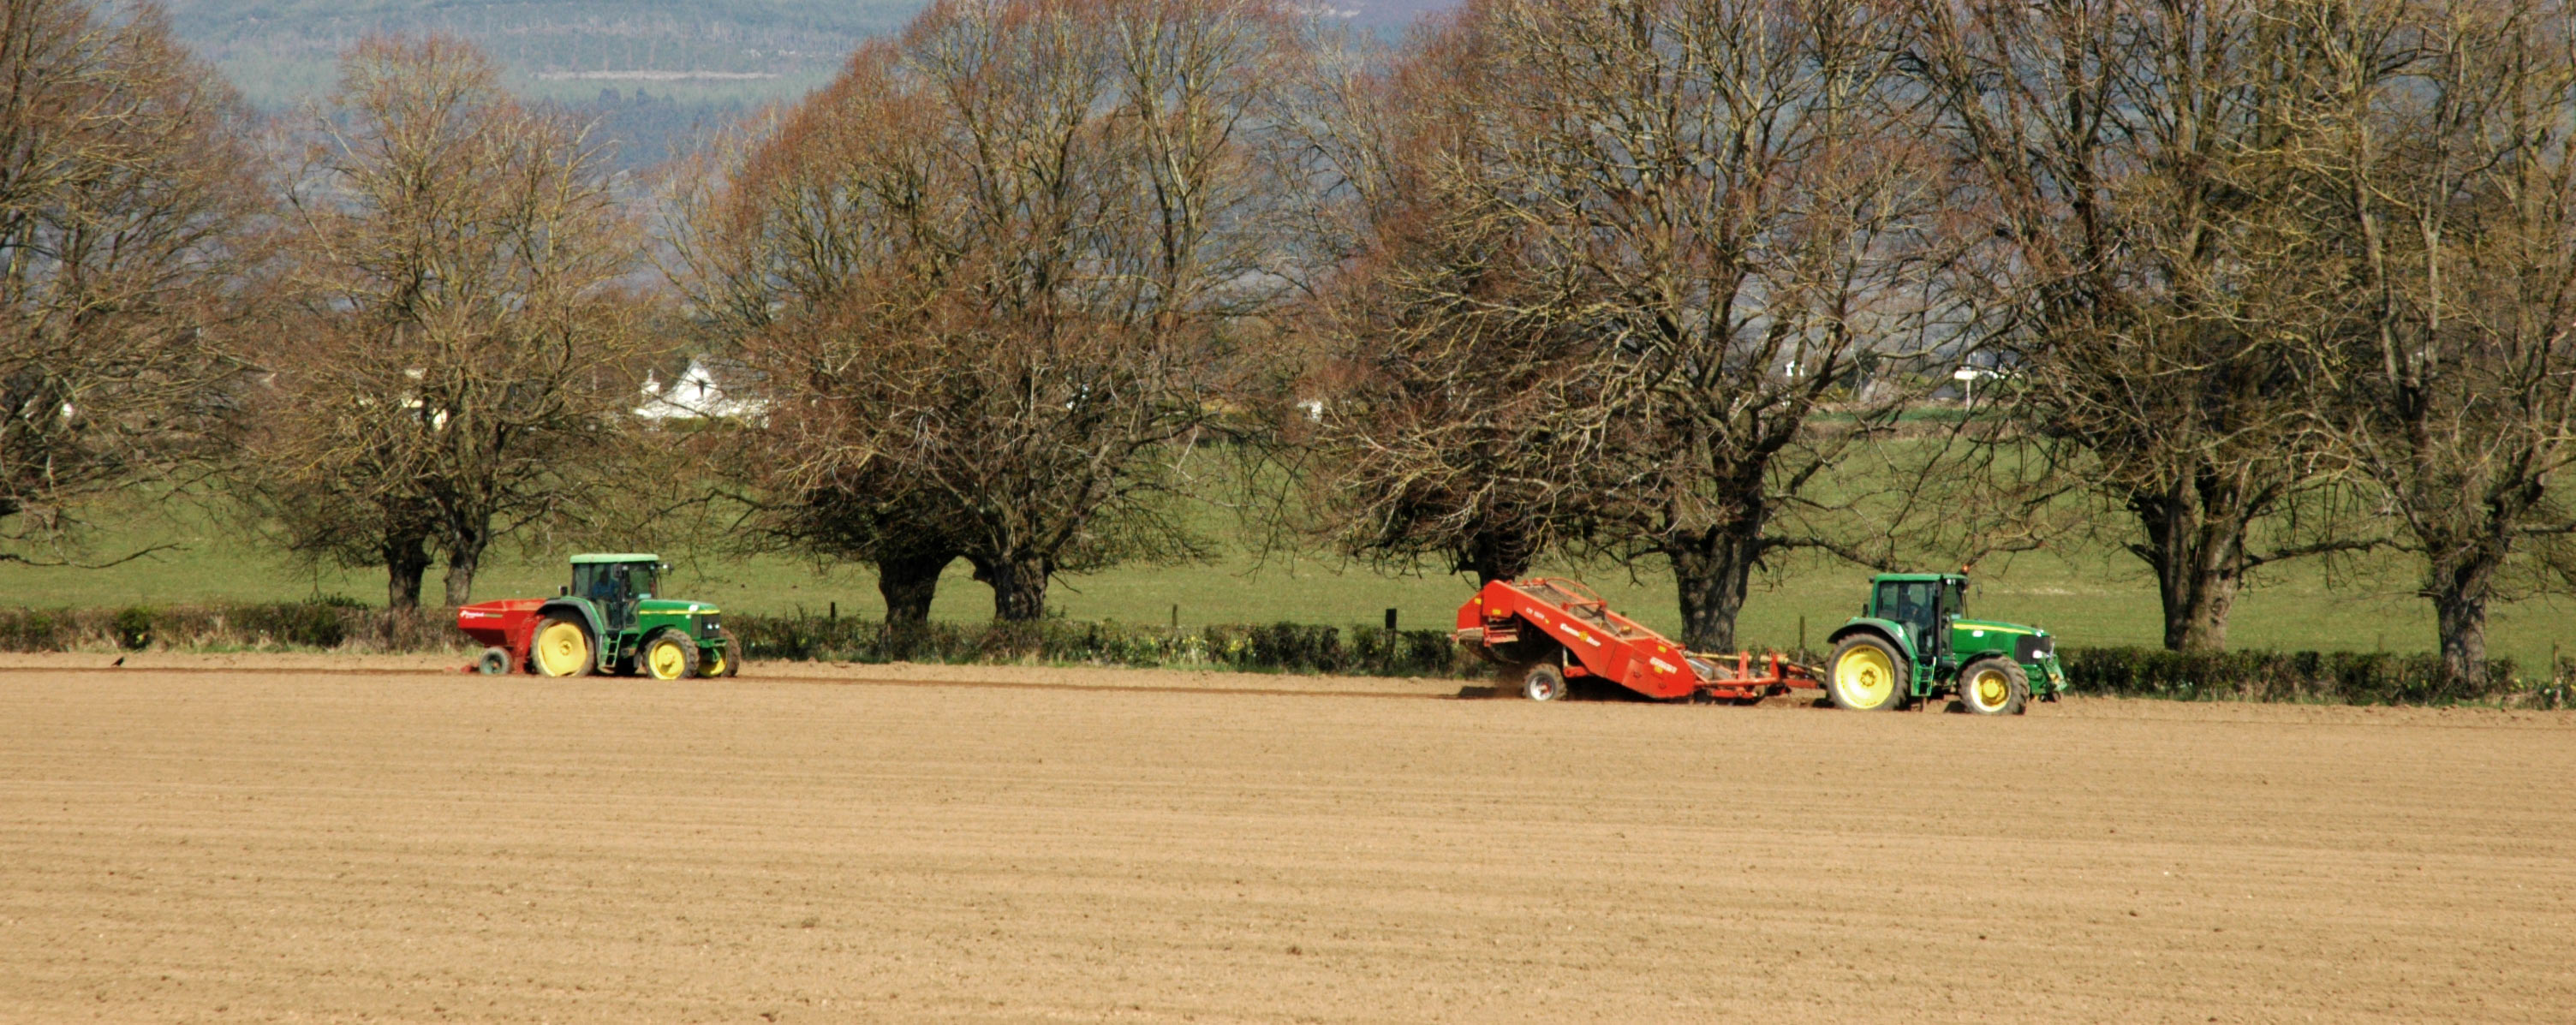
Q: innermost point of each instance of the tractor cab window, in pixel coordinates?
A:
(1910, 602)
(613, 581)
(1954, 598)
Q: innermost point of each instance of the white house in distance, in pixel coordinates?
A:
(694, 395)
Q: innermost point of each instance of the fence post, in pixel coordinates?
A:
(1390, 620)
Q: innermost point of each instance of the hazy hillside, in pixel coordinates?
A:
(651, 69)
(281, 50)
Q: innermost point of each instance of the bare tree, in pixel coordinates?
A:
(470, 361)
(2150, 273)
(1719, 205)
(126, 199)
(1422, 415)
(998, 262)
(2447, 159)
(767, 227)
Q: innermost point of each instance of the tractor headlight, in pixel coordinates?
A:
(709, 623)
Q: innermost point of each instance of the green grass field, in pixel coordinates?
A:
(2088, 596)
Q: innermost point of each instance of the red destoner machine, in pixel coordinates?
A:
(1545, 623)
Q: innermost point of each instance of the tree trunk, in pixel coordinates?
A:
(1496, 555)
(2460, 588)
(462, 561)
(2196, 546)
(1019, 587)
(908, 583)
(406, 564)
(1713, 571)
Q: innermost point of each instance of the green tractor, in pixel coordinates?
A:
(607, 621)
(1913, 640)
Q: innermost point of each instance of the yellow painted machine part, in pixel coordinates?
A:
(1991, 688)
(562, 650)
(1865, 677)
(666, 659)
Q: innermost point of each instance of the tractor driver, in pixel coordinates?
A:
(1911, 610)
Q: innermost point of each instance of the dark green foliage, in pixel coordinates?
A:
(319, 623)
(302, 624)
(2343, 677)
(1279, 647)
(134, 629)
(35, 630)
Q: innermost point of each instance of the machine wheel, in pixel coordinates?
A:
(493, 662)
(1994, 686)
(563, 648)
(1544, 682)
(1866, 675)
(668, 655)
(723, 661)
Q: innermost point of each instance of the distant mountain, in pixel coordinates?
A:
(651, 69)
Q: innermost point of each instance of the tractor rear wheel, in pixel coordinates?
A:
(1866, 675)
(1543, 682)
(1994, 686)
(563, 648)
(669, 655)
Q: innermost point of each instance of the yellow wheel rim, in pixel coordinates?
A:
(667, 660)
(561, 649)
(714, 665)
(1992, 689)
(1865, 677)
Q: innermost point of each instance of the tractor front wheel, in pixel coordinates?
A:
(1866, 675)
(563, 648)
(724, 660)
(669, 655)
(1994, 686)
(1544, 682)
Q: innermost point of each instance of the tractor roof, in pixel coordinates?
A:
(1918, 576)
(589, 558)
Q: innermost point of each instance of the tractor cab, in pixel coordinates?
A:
(615, 584)
(1923, 605)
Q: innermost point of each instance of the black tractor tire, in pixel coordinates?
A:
(588, 664)
(1866, 657)
(1994, 686)
(683, 659)
(728, 660)
(1543, 682)
(493, 662)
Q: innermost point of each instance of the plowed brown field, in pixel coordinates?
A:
(890, 844)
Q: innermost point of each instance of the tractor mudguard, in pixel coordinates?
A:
(1887, 628)
(588, 614)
